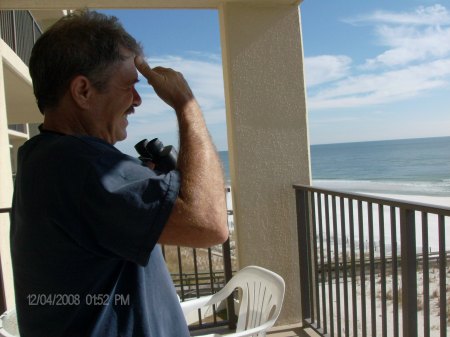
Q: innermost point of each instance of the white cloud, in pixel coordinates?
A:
(409, 36)
(416, 60)
(205, 78)
(326, 68)
(410, 44)
(431, 15)
(390, 86)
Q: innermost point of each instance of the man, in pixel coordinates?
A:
(87, 218)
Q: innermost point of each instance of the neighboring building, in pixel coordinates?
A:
(19, 29)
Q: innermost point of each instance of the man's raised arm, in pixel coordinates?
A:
(199, 217)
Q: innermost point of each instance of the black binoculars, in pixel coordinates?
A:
(164, 157)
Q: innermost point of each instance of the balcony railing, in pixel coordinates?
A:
(372, 266)
(20, 31)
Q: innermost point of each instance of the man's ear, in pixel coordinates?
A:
(81, 90)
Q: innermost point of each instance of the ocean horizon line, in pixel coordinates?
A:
(380, 140)
(369, 141)
(413, 166)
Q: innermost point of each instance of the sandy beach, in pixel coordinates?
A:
(434, 327)
(423, 199)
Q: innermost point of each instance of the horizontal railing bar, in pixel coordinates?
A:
(378, 261)
(5, 210)
(220, 272)
(417, 206)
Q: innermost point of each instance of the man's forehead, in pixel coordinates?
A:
(125, 70)
(127, 53)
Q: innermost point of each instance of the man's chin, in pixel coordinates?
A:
(120, 137)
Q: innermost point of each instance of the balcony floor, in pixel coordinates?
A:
(293, 330)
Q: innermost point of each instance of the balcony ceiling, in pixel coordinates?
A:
(45, 17)
(66, 4)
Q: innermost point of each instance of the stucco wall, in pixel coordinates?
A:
(268, 138)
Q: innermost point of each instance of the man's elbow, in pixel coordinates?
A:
(217, 232)
(222, 234)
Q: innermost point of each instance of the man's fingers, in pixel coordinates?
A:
(168, 84)
(143, 67)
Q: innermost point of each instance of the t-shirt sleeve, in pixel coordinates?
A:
(126, 206)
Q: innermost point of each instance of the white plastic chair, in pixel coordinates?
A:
(8, 324)
(262, 297)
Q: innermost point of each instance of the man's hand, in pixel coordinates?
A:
(168, 84)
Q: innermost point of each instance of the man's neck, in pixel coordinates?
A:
(64, 120)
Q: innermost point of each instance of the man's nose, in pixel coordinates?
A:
(137, 100)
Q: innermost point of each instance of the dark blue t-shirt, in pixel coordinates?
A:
(85, 224)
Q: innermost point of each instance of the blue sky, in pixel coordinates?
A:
(374, 69)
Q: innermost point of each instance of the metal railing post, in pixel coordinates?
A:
(303, 230)
(409, 272)
(232, 319)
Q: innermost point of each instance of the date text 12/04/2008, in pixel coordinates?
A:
(76, 299)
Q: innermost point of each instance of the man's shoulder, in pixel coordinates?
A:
(58, 153)
(67, 146)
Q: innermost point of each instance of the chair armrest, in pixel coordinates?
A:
(252, 331)
(196, 303)
(204, 301)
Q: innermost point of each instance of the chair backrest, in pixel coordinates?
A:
(262, 297)
(8, 324)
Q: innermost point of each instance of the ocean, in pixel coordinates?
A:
(408, 166)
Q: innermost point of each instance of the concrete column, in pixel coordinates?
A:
(267, 134)
(6, 190)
